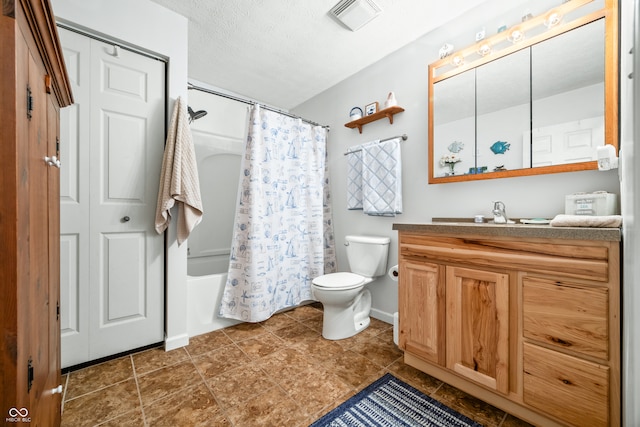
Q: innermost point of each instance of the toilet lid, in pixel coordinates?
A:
(342, 280)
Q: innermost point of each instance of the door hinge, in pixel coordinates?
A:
(58, 147)
(29, 102)
(57, 310)
(29, 375)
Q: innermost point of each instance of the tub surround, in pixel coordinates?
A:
(525, 317)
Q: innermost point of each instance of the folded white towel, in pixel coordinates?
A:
(179, 177)
(607, 221)
(354, 177)
(382, 178)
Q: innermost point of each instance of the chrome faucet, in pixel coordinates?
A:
(499, 213)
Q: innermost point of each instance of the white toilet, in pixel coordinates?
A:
(346, 302)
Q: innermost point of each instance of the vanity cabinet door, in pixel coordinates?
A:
(478, 326)
(421, 308)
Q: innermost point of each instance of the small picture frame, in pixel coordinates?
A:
(370, 109)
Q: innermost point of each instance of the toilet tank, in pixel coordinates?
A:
(367, 255)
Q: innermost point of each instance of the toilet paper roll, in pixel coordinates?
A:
(393, 273)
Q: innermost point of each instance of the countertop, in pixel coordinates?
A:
(468, 227)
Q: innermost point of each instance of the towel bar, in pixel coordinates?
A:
(403, 137)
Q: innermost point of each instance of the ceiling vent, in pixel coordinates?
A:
(355, 13)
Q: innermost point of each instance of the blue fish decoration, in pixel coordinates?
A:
(456, 146)
(500, 147)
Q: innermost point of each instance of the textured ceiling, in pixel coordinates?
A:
(284, 52)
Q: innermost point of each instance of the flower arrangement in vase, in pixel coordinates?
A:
(450, 160)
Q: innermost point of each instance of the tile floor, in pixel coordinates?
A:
(280, 372)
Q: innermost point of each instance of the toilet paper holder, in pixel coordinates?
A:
(393, 273)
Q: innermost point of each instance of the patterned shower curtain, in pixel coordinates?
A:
(283, 236)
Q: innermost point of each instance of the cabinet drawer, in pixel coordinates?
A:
(566, 315)
(571, 389)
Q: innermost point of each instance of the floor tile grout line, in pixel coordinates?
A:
(143, 374)
(504, 418)
(222, 409)
(64, 394)
(135, 378)
(137, 392)
(286, 344)
(175, 391)
(99, 389)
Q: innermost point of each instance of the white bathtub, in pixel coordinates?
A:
(206, 277)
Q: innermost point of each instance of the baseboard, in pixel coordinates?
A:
(178, 341)
(382, 315)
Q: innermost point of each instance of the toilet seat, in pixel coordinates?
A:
(339, 281)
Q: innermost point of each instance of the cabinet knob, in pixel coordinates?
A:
(125, 219)
(52, 161)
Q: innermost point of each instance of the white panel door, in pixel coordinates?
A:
(74, 204)
(116, 302)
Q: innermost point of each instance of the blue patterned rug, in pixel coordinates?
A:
(393, 403)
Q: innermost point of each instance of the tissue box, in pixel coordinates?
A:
(594, 204)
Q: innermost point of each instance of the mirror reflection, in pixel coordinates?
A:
(538, 107)
(454, 124)
(567, 80)
(503, 111)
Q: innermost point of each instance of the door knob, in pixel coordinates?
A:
(125, 219)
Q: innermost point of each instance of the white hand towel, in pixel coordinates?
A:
(605, 221)
(179, 177)
(382, 178)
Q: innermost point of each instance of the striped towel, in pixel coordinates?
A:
(382, 178)
(179, 177)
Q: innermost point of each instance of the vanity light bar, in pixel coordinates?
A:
(514, 34)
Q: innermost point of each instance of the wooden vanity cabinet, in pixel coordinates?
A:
(528, 324)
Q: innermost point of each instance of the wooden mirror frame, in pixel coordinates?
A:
(611, 81)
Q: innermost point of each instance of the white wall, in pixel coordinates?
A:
(630, 162)
(405, 73)
(154, 29)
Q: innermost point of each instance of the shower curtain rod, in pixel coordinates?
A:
(248, 101)
(403, 137)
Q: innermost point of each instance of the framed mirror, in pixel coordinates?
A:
(537, 98)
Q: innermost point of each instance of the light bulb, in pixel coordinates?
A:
(458, 60)
(552, 19)
(516, 35)
(484, 49)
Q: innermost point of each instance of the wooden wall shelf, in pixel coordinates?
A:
(387, 112)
